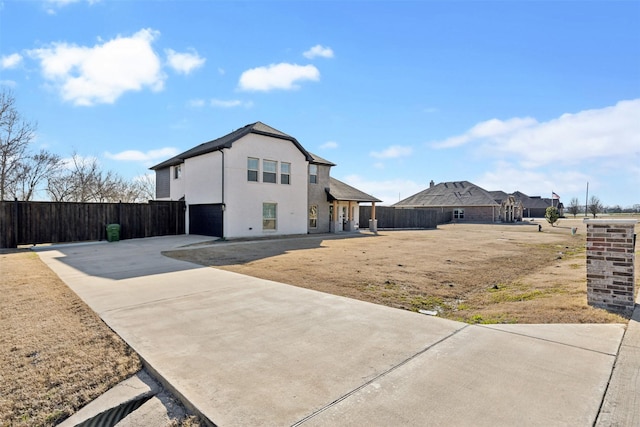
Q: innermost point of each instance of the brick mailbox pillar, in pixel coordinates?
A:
(610, 265)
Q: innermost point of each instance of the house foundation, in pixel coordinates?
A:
(611, 265)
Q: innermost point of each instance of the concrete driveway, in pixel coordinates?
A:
(247, 351)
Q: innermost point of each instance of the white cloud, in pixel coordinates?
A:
(52, 5)
(611, 133)
(11, 61)
(392, 152)
(8, 83)
(319, 51)
(196, 103)
(493, 128)
(510, 177)
(387, 190)
(226, 103)
(140, 156)
(102, 73)
(184, 62)
(277, 76)
(329, 145)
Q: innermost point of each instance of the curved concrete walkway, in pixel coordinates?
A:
(247, 351)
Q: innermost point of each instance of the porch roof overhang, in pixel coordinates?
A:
(340, 191)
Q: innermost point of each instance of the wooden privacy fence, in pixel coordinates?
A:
(26, 223)
(389, 217)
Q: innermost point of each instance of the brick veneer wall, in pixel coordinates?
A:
(610, 265)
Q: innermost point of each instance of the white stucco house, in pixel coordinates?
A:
(257, 181)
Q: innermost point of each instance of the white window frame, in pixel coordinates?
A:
(267, 173)
(177, 171)
(458, 214)
(313, 216)
(269, 223)
(250, 170)
(313, 174)
(285, 177)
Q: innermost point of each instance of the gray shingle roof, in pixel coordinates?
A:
(536, 202)
(449, 194)
(338, 190)
(498, 196)
(227, 141)
(320, 161)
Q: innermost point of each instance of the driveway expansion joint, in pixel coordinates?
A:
(556, 342)
(377, 377)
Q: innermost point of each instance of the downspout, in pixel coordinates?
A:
(223, 205)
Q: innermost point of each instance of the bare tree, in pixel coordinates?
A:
(32, 171)
(574, 206)
(147, 186)
(85, 181)
(15, 136)
(595, 206)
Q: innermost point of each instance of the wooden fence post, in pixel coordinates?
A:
(16, 224)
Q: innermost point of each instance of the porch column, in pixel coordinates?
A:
(334, 218)
(351, 224)
(373, 222)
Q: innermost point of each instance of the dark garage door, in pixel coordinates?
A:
(205, 220)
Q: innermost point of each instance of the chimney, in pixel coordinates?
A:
(431, 184)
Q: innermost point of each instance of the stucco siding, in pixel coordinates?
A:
(244, 199)
(318, 196)
(203, 178)
(177, 184)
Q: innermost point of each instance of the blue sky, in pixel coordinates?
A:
(535, 96)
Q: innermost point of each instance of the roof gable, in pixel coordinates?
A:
(338, 190)
(454, 193)
(320, 161)
(227, 141)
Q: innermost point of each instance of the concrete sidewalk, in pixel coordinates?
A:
(246, 351)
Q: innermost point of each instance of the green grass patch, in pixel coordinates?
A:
(518, 292)
(426, 303)
(478, 319)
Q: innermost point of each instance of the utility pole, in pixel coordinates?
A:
(586, 201)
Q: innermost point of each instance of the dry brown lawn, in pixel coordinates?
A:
(56, 355)
(477, 273)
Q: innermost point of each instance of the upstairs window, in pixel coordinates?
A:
(269, 171)
(252, 169)
(313, 174)
(177, 172)
(285, 173)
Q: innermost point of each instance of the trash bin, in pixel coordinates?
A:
(113, 232)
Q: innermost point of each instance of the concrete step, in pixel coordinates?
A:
(161, 411)
(137, 401)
